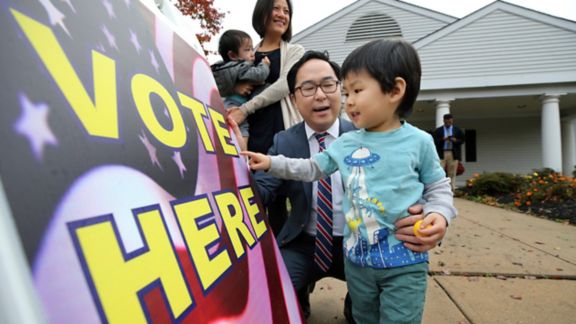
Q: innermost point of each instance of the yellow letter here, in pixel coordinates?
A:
(201, 233)
(252, 208)
(118, 281)
(233, 219)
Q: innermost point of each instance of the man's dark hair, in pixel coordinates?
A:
(385, 60)
(231, 40)
(262, 12)
(448, 116)
(309, 55)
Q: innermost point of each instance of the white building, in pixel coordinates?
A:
(506, 73)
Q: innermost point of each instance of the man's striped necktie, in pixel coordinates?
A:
(323, 247)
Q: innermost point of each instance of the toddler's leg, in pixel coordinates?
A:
(364, 293)
(403, 292)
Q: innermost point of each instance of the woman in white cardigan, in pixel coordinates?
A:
(271, 111)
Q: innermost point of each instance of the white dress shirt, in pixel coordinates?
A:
(337, 188)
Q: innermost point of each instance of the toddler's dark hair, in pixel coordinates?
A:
(231, 40)
(385, 60)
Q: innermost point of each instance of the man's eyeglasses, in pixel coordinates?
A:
(308, 89)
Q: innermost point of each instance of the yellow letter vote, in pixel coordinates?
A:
(142, 87)
(201, 234)
(118, 281)
(233, 219)
(222, 132)
(259, 226)
(99, 118)
(199, 114)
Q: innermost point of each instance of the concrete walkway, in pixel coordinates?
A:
(494, 266)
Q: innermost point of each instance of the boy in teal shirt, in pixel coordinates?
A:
(386, 166)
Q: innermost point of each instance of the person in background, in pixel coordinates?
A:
(314, 83)
(448, 140)
(271, 110)
(237, 65)
(386, 166)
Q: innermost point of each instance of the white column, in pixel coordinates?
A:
(442, 108)
(569, 144)
(551, 133)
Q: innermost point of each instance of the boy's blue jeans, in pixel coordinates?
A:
(393, 295)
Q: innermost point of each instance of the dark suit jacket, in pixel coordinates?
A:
(291, 143)
(456, 145)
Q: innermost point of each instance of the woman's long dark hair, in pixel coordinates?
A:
(262, 12)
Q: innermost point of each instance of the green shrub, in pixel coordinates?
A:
(561, 192)
(544, 172)
(546, 185)
(493, 184)
(542, 192)
(541, 186)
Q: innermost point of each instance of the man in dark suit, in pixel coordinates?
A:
(448, 139)
(315, 90)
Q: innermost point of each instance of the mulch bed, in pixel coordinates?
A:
(561, 211)
(564, 212)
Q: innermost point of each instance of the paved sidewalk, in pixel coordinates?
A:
(494, 266)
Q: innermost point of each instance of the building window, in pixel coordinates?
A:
(373, 26)
(470, 145)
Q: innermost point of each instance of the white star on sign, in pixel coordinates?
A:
(109, 8)
(154, 61)
(177, 157)
(135, 41)
(55, 16)
(111, 39)
(70, 5)
(151, 150)
(33, 124)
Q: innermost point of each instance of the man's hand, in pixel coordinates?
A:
(257, 161)
(430, 236)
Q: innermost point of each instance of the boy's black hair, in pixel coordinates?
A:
(385, 60)
(231, 40)
(309, 55)
(448, 116)
(262, 12)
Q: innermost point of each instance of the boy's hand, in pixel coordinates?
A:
(430, 236)
(266, 60)
(243, 88)
(257, 161)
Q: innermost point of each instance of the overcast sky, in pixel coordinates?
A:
(309, 12)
